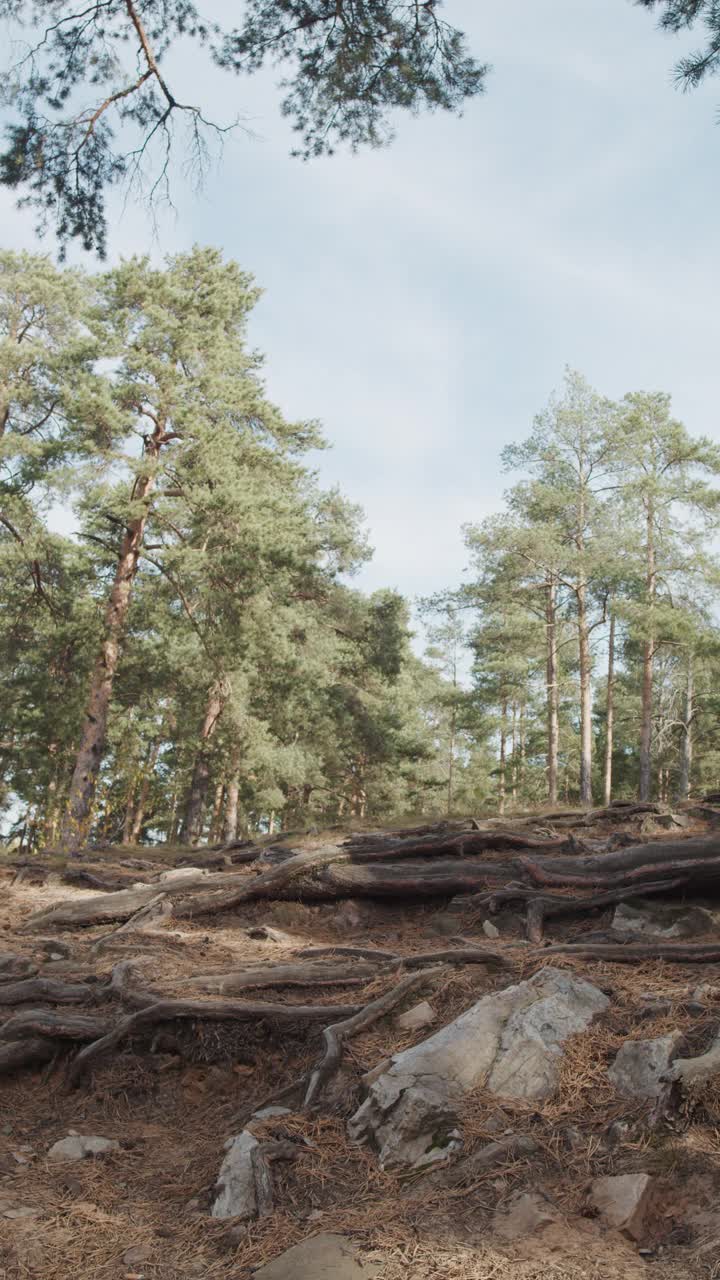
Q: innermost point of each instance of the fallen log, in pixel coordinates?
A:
(284, 975)
(631, 952)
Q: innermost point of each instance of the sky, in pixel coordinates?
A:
(422, 301)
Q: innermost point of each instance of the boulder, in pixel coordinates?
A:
(669, 920)
(524, 1214)
(324, 1257)
(624, 1202)
(238, 1193)
(79, 1147)
(509, 1042)
(421, 1015)
(641, 1065)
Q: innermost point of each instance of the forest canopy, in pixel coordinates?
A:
(193, 662)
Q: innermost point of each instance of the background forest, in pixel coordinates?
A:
(194, 662)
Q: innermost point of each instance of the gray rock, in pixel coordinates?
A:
(524, 1214)
(509, 1042)
(490, 930)
(323, 1257)
(624, 1202)
(640, 1066)
(267, 1113)
(236, 1188)
(79, 1147)
(180, 873)
(650, 919)
(421, 1015)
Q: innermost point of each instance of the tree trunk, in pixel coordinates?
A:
(216, 820)
(647, 662)
(451, 758)
(148, 771)
(553, 729)
(585, 697)
(231, 804)
(192, 823)
(501, 770)
(92, 738)
(686, 754)
(610, 713)
(514, 744)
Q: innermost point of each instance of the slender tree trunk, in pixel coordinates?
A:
(92, 738)
(231, 803)
(514, 757)
(129, 814)
(686, 753)
(502, 768)
(451, 758)
(585, 697)
(197, 794)
(523, 745)
(216, 820)
(148, 771)
(648, 661)
(610, 714)
(553, 724)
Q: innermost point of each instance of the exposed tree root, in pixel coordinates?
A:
(25, 1053)
(284, 975)
(44, 1023)
(628, 953)
(46, 989)
(337, 1033)
(218, 1011)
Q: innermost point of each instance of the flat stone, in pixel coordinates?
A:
(624, 1202)
(490, 930)
(78, 1147)
(509, 1042)
(179, 873)
(324, 1257)
(421, 1015)
(524, 1214)
(267, 1113)
(137, 1254)
(22, 1211)
(655, 920)
(640, 1065)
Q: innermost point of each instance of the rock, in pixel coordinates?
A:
(324, 1257)
(268, 1113)
(509, 1042)
(77, 1147)
(179, 873)
(22, 1211)
(243, 1189)
(421, 1015)
(524, 1214)
(443, 923)
(136, 1255)
(624, 1202)
(490, 930)
(650, 919)
(640, 1066)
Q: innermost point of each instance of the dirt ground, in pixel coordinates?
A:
(171, 1098)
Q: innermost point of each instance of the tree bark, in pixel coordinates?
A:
(553, 724)
(502, 761)
(648, 659)
(686, 755)
(149, 769)
(610, 713)
(585, 696)
(197, 795)
(76, 820)
(231, 805)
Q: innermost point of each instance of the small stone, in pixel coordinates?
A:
(490, 930)
(236, 1190)
(23, 1211)
(75, 1147)
(618, 1132)
(421, 1015)
(267, 1113)
(525, 1213)
(323, 1257)
(640, 1066)
(178, 873)
(136, 1255)
(193, 1206)
(624, 1202)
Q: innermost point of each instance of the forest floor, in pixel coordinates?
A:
(172, 1098)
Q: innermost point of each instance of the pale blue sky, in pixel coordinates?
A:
(422, 301)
